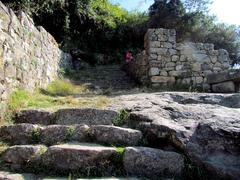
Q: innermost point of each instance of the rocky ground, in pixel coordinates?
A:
(163, 135)
(205, 127)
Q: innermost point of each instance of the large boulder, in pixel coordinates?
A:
(206, 127)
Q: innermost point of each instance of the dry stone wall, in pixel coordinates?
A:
(29, 56)
(167, 62)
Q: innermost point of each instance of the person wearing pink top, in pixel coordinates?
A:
(128, 56)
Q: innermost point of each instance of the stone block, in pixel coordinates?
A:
(174, 73)
(170, 64)
(153, 56)
(196, 67)
(154, 44)
(175, 58)
(183, 58)
(179, 67)
(163, 73)
(156, 163)
(162, 79)
(199, 80)
(153, 71)
(161, 51)
(225, 87)
(214, 59)
(167, 45)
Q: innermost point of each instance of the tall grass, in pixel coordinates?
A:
(62, 87)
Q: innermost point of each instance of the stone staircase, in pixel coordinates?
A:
(106, 77)
(83, 143)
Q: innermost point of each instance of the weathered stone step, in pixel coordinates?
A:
(53, 134)
(4, 175)
(94, 160)
(66, 116)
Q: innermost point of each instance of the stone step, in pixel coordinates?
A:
(94, 160)
(85, 159)
(4, 175)
(21, 134)
(67, 116)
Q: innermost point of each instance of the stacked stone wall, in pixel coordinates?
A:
(29, 56)
(168, 62)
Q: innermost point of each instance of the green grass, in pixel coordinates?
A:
(120, 150)
(63, 87)
(3, 147)
(53, 99)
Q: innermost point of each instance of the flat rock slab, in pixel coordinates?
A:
(152, 163)
(114, 135)
(224, 87)
(85, 116)
(18, 133)
(26, 176)
(76, 156)
(68, 116)
(215, 78)
(16, 176)
(204, 126)
(19, 156)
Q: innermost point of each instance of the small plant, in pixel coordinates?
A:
(62, 73)
(89, 134)
(3, 147)
(121, 118)
(117, 160)
(42, 150)
(36, 135)
(70, 132)
(34, 62)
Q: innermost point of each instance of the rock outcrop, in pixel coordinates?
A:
(205, 127)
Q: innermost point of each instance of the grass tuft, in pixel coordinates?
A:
(3, 147)
(63, 87)
(121, 118)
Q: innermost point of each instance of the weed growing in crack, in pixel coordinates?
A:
(121, 118)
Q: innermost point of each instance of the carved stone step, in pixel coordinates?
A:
(53, 134)
(67, 116)
(23, 176)
(94, 160)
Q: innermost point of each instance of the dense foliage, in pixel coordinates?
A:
(102, 27)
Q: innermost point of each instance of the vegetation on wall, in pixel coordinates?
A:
(102, 27)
